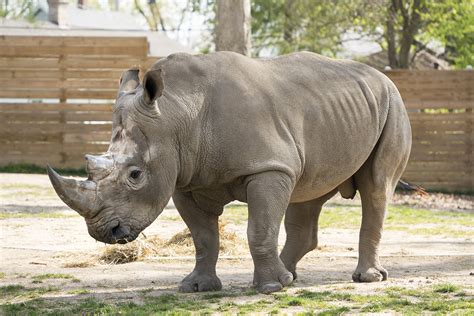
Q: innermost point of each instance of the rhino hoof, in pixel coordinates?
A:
(370, 275)
(200, 283)
(270, 288)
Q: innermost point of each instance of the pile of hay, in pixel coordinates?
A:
(180, 244)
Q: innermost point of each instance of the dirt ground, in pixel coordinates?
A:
(55, 241)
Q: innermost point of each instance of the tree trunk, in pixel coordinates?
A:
(411, 25)
(233, 26)
(390, 35)
(288, 27)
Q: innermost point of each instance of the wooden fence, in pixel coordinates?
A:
(56, 95)
(440, 105)
(69, 84)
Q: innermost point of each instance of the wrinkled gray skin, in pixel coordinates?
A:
(282, 134)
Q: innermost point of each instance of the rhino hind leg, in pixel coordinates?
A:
(301, 225)
(376, 181)
(204, 228)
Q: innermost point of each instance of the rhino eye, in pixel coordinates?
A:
(135, 174)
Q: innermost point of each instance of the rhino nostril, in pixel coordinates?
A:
(120, 233)
(116, 229)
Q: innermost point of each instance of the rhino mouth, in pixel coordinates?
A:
(113, 231)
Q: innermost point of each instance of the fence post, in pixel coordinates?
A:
(62, 101)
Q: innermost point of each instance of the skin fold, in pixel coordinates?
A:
(283, 134)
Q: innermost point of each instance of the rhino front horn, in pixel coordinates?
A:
(81, 196)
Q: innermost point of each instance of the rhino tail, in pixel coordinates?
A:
(405, 186)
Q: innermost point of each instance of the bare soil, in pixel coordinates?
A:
(60, 244)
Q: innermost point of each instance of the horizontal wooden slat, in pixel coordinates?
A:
(39, 107)
(55, 83)
(28, 62)
(23, 147)
(438, 104)
(53, 127)
(417, 166)
(105, 94)
(462, 116)
(72, 41)
(33, 51)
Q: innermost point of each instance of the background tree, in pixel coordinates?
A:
(151, 12)
(233, 26)
(13, 9)
(283, 26)
(402, 27)
(452, 24)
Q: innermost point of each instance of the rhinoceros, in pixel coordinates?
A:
(282, 134)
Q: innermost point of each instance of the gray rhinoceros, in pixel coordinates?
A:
(282, 134)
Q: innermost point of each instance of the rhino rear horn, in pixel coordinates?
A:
(129, 81)
(81, 196)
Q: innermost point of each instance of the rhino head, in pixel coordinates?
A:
(128, 186)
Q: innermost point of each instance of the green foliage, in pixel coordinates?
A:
(452, 23)
(284, 26)
(15, 9)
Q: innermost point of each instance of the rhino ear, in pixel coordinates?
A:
(129, 81)
(152, 86)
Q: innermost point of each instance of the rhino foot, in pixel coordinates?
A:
(198, 282)
(282, 279)
(373, 274)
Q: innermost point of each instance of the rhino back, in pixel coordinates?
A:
(312, 117)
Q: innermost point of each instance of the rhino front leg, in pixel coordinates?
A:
(268, 195)
(204, 229)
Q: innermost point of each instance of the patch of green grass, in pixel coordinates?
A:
(446, 288)
(20, 291)
(437, 230)
(438, 299)
(334, 311)
(79, 291)
(168, 304)
(232, 308)
(47, 276)
(27, 191)
(29, 168)
(22, 275)
(2, 275)
(236, 214)
(11, 289)
(399, 218)
(222, 294)
(8, 215)
(402, 218)
(170, 217)
(146, 291)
